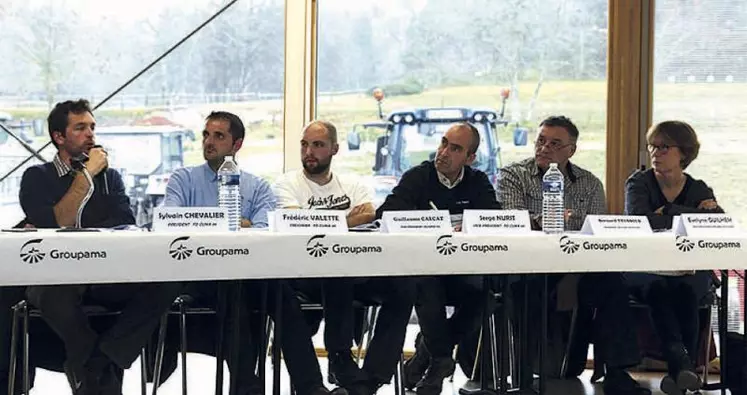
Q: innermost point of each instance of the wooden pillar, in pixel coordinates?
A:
(629, 92)
(300, 75)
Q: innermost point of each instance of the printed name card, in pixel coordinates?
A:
(309, 221)
(616, 224)
(697, 225)
(193, 219)
(418, 221)
(488, 222)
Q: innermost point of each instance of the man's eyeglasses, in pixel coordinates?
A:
(663, 148)
(552, 145)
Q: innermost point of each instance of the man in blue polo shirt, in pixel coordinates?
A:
(198, 187)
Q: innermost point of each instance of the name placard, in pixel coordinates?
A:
(309, 221)
(417, 221)
(697, 225)
(486, 222)
(193, 219)
(616, 224)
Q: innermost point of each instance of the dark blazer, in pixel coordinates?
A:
(643, 196)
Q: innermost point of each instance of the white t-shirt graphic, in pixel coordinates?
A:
(343, 192)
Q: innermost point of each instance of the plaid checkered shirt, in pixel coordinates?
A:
(520, 188)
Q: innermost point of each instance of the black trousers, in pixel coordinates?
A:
(396, 297)
(674, 303)
(433, 295)
(142, 306)
(298, 350)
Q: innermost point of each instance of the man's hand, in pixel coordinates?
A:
(245, 223)
(96, 161)
(458, 228)
(361, 214)
(356, 210)
(708, 204)
(659, 210)
(29, 226)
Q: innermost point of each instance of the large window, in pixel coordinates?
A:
(700, 77)
(431, 54)
(54, 50)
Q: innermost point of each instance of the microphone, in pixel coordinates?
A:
(79, 161)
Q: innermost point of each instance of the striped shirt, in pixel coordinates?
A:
(446, 182)
(520, 188)
(62, 168)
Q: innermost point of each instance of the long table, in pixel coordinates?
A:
(51, 257)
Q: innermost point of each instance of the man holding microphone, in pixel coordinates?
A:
(77, 190)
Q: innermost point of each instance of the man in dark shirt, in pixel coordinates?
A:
(57, 195)
(448, 183)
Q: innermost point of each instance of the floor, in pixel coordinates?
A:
(202, 373)
(201, 376)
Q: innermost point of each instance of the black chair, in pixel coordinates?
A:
(182, 309)
(22, 312)
(371, 314)
(503, 352)
(573, 365)
(184, 306)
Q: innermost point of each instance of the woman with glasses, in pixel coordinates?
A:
(660, 193)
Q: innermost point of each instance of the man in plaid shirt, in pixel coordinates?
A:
(520, 184)
(520, 188)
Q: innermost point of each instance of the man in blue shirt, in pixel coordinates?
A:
(198, 187)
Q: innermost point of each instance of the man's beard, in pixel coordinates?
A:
(320, 168)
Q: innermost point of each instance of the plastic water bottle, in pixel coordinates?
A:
(553, 209)
(229, 194)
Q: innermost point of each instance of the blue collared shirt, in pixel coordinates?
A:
(198, 187)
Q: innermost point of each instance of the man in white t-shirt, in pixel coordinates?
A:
(316, 187)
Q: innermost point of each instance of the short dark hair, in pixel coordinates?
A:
(563, 122)
(680, 134)
(235, 126)
(57, 119)
(328, 126)
(475, 137)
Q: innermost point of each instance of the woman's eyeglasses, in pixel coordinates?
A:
(663, 148)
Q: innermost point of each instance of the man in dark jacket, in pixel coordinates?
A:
(68, 193)
(448, 183)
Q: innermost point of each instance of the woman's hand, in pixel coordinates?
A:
(708, 204)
